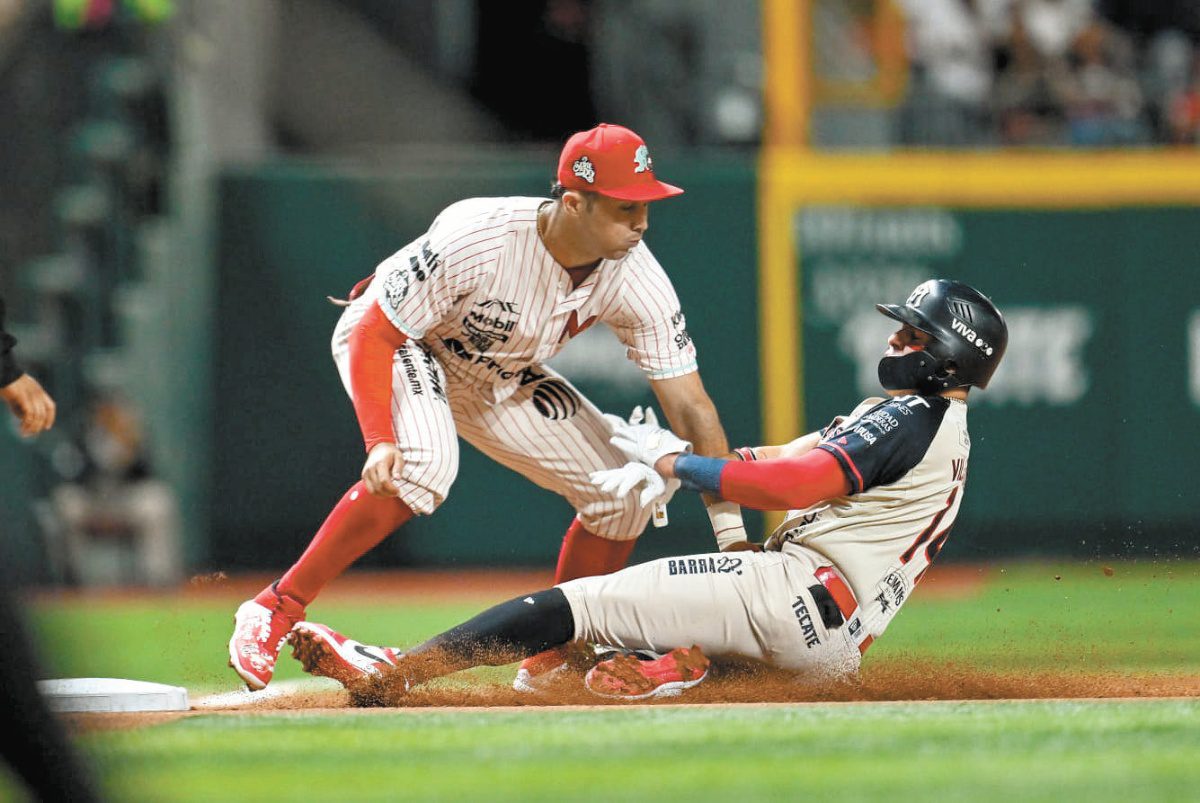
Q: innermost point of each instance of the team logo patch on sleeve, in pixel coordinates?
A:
(395, 288)
(682, 336)
(584, 168)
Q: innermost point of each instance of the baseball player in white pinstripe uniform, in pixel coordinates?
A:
(449, 338)
(872, 498)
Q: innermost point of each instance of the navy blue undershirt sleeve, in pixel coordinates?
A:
(699, 473)
(887, 441)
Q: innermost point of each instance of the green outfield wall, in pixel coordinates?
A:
(1085, 442)
(285, 441)
(1084, 445)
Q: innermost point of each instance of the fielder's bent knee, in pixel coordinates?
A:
(426, 475)
(614, 519)
(421, 500)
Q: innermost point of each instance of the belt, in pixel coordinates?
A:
(837, 605)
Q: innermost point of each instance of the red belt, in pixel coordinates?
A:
(837, 587)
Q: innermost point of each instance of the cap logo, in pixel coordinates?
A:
(917, 296)
(584, 168)
(641, 158)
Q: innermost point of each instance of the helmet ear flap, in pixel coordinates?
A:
(945, 377)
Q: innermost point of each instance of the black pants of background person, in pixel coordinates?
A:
(34, 743)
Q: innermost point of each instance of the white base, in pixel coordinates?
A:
(106, 695)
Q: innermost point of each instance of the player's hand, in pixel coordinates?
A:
(381, 472)
(30, 403)
(642, 440)
(620, 481)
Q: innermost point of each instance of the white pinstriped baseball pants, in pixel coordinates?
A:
(539, 432)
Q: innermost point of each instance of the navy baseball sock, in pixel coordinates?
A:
(508, 632)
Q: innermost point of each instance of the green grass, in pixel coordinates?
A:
(184, 643)
(939, 751)
(1142, 618)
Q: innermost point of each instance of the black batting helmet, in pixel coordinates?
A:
(967, 338)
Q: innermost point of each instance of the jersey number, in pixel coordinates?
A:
(935, 545)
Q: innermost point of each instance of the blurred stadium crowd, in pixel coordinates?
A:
(114, 108)
(1052, 72)
(338, 76)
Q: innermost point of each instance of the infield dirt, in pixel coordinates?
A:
(894, 678)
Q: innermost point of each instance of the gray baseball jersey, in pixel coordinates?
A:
(905, 460)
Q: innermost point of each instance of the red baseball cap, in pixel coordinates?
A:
(613, 161)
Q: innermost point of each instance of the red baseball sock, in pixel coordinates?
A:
(585, 554)
(355, 525)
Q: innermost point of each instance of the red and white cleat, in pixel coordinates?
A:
(626, 677)
(324, 652)
(538, 672)
(259, 629)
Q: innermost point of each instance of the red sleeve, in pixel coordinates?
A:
(784, 483)
(373, 344)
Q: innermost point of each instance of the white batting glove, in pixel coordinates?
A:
(642, 440)
(619, 425)
(620, 481)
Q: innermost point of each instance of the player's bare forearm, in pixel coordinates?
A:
(693, 416)
(691, 413)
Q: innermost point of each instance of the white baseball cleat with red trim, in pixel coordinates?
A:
(259, 629)
(324, 652)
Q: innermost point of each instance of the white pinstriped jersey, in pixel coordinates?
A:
(483, 293)
(905, 459)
